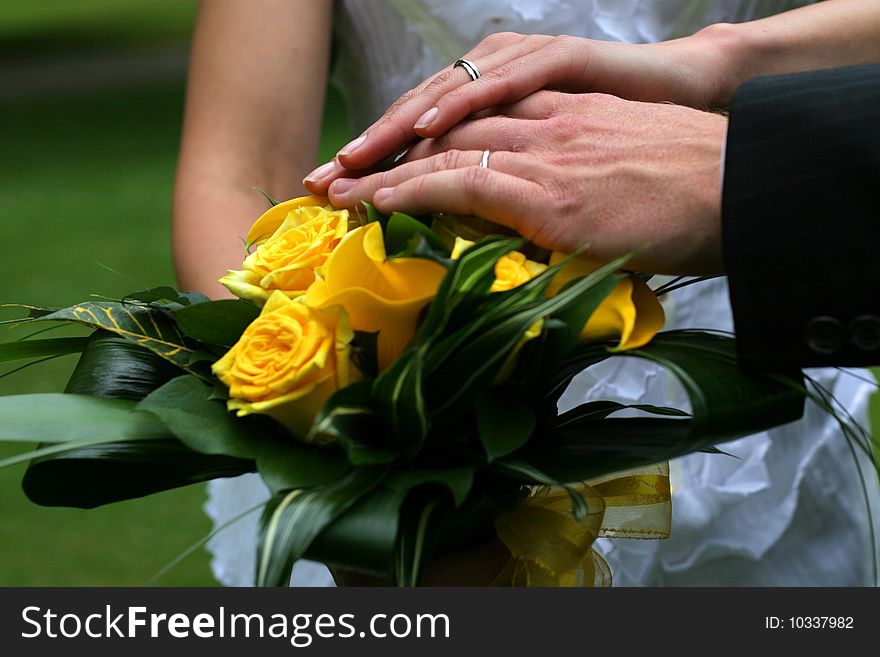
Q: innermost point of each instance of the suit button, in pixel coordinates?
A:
(825, 335)
(864, 332)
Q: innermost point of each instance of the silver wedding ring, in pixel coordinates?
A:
(484, 160)
(469, 67)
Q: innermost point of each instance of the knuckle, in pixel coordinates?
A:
(376, 181)
(400, 102)
(418, 187)
(473, 178)
(463, 99)
(501, 79)
(450, 159)
(564, 124)
(500, 38)
(566, 42)
(442, 80)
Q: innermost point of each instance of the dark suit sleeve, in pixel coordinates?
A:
(801, 218)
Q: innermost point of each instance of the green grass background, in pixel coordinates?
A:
(85, 185)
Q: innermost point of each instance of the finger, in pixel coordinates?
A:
(486, 193)
(551, 66)
(496, 133)
(319, 180)
(396, 127)
(348, 192)
(539, 106)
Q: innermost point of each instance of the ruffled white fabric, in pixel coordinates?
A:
(387, 47)
(789, 509)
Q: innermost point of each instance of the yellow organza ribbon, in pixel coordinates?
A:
(548, 547)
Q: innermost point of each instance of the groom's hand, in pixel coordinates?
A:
(565, 170)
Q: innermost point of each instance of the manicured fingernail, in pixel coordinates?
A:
(321, 172)
(342, 185)
(383, 195)
(352, 146)
(426, 119)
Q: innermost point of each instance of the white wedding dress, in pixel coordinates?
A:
(789, 509)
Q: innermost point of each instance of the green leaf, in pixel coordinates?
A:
(265, 195)
(505, 420)
(291, 521)
(33, 312)
(400, 230)
(112, 366)
(373, 214)
(599, 410)
(203, 424)
(348, 416)
(469, 370)
(23, 349)
(458, 481)
(58, 417)
(418, 247)
(398, 391)
(528, 473)
(420, 525)
(90, 476)
(727, 403)
(155, 294)
(471, 275)
(216, 322)
(285, 465)
(149, 327)
(388, 533)
(363, 538)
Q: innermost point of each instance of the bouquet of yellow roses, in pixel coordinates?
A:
(394, 380)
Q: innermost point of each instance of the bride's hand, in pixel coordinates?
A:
(565, 170)
(696, 71)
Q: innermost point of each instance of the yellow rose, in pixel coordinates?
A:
(288, 362)
(292, 239)
(630, 313)
(379, 294)
(511, 270)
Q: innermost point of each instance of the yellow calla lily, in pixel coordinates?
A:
(379, 294)
(632, 313)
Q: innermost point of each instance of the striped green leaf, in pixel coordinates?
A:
(726, 403)
(58, 418)
(398, 391)
(467, 372)
(24, 349)
(87, 476)
(112, 366)
(148, 327)
(292, 520)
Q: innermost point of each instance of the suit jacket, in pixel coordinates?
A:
(801, 218)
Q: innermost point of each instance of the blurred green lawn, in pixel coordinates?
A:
(85, 185)
(44, 26)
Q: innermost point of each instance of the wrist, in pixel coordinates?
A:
(731, 55)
